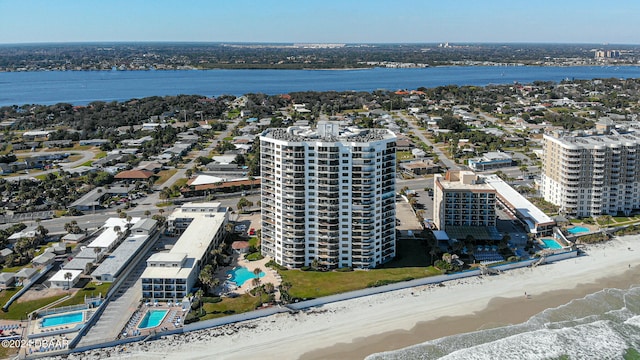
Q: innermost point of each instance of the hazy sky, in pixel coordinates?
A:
(326, 21)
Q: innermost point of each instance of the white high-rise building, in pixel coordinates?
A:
(328, 194)
(592, 175)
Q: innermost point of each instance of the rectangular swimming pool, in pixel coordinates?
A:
(152, 318)
(63, 319)
(551, 244)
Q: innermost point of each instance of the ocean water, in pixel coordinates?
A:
(603, 325)
(83, 87)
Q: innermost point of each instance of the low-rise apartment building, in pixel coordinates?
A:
(171, 275)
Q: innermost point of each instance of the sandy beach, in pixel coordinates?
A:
(356, 328)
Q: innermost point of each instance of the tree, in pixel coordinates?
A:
(42, 231)
(147, 213)
(284, 291)
(199, 295)
(68, 276)
(206, 276)
(257, 272)
(242, 203)
(269, 288)
(255, 282)
(315, 264)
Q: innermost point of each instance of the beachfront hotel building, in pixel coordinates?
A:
(328, 195)
(592, 175)
(462, 198)
(466, 199)
(171, 275)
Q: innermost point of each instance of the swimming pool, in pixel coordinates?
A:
(241, 274)
(63, 319)
(578, 229)
(152, 318)
(551, 244)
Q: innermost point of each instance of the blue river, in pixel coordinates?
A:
(83, 87)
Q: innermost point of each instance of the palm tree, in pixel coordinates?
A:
(118, 230)
(206, 276)
(269, 288)
(257, 272)
(147, 213)
(68, 276)
(284, 291)
(199, 295)
(255, 282)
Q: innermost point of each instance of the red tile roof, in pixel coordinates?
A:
(134, 174)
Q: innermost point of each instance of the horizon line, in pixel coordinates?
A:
(309, 42)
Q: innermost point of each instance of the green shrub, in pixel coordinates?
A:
(211, 299)
(254, 256)
(274, 265)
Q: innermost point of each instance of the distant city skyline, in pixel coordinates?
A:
(328, 21)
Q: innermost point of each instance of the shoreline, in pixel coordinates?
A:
(396, 319)
(490, 64)
(499, 312)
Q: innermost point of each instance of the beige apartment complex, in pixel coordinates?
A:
(592, 175)
(328, 196)
(462, 198)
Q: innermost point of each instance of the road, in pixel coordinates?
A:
(87, 155)
(181, 173)
(450, 164)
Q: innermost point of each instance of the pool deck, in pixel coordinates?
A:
(172, 320)
(270, 275)
(36, 327)
(59, 337)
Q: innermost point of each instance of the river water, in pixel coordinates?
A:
(83, 87)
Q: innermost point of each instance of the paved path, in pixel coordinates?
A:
(118, 311)
(87, 155)
(450, 164)
(181, 173)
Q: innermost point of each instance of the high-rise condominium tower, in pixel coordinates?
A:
(328, 196)
(592, 175)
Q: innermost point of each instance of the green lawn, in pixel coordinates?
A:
(15, 269)
(411, 263)
(313, 284)
(164, 175)
(241, 304)
(91, 289)
(404, 155)
(254, 241)
(19, 309)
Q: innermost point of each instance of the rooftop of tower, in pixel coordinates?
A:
(600, 141)
(328, 131)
